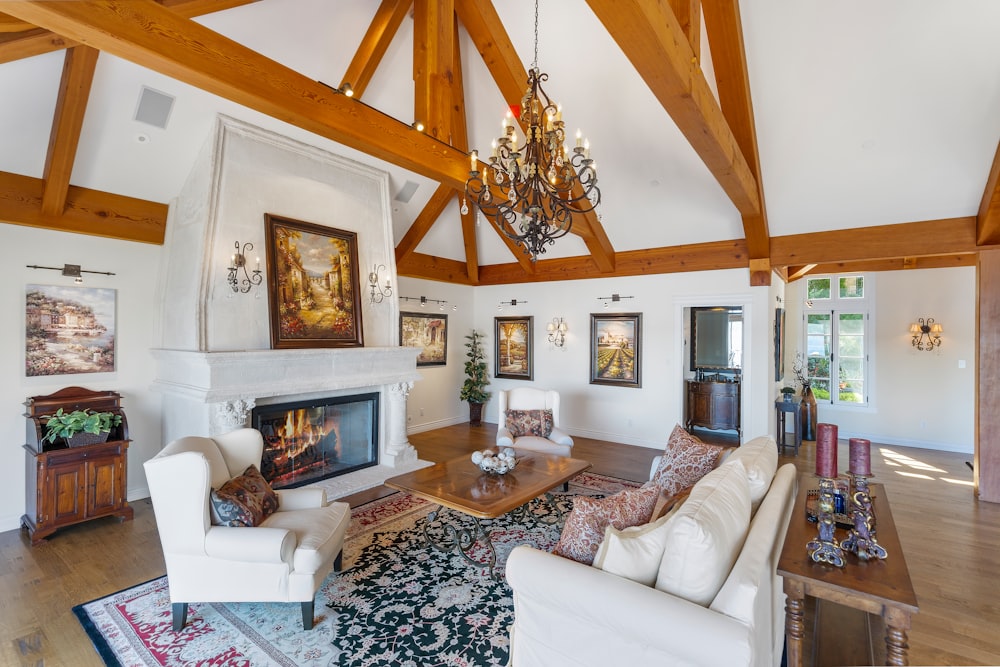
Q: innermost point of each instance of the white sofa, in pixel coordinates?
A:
(567, 613)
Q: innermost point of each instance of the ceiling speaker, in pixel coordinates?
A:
(405, 193)
(154, 107)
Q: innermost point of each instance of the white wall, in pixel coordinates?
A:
(919, 399)
(136, 266)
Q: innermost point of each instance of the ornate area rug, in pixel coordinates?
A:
(397, 602)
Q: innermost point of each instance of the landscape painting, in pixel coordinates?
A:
(69, 330)
(312, 285)
(428, 332)
(513, 348)
(615, 349)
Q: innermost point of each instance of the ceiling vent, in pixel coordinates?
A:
(405, 193)
(154, 107)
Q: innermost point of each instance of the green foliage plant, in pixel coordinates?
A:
(67, 424)
(788, 391)
(476, 377)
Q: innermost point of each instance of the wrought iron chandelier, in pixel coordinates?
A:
(531, 193)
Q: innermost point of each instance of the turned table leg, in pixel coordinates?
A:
(897, 624)
(794, 621)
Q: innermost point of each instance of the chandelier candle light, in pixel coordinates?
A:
(531, 193)
(824, 548)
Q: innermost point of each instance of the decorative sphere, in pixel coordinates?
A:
(477, 457)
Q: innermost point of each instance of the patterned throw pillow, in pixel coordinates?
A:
(529, 422)
(685, 460)
(584, 529)
(243, 501)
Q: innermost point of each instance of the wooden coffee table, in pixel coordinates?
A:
(879, 587)
(461, 486)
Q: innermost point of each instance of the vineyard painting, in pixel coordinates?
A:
(69, 330)
(312, 285)
(513, 348)
(615, 349)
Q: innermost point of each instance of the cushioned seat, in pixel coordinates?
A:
(529, 399)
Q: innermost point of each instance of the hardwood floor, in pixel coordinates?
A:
(951, 543)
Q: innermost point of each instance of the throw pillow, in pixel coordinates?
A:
(584, 529)
(760, 458)
(685, 460)
(243, 501)
(529, 422)
(634, 553)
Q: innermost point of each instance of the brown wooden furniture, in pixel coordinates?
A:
(714, 405)
(460, 485)
(879, 587)
(66, 485)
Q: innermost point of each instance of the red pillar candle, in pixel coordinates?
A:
(860, 457)
(826, 450)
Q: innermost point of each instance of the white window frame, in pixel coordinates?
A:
(835, 305)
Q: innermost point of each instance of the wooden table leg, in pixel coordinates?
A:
(897, 624)
(795, 627)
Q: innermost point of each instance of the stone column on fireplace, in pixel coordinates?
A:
(398, 448)
(230, 415)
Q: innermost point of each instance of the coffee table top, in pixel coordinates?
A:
(460, 485)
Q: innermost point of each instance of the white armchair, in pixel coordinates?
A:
(528, 398)
(285, 559)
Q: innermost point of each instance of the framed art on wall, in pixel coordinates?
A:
(68, 330)
(616, 349)
(312, 285)
(426, 331)
(779, 344)
(513, 354)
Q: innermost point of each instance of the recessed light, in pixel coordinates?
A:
(142, 138)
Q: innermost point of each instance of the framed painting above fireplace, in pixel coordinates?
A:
(312, 285)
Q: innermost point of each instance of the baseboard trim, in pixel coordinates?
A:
(437, 423)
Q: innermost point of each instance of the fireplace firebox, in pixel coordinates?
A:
(306, 441)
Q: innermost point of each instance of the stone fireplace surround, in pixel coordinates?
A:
(214, 362)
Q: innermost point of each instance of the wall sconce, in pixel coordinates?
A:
(71, 271)
(237, 263)
(378, 293)
(424, 301)
(557, 331)
(928, 330)
(614, 298)
(512, 302)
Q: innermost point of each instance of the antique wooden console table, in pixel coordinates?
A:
(879, 587)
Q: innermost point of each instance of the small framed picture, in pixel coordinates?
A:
(513, 357)
(428, 332)
(616, 349)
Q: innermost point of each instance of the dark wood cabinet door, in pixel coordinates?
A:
(65, 489)
(105, 492)
(714, 405)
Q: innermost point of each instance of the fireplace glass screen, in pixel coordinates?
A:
(308, 441)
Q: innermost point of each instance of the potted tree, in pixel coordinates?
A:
(80, 427)
(476, 380)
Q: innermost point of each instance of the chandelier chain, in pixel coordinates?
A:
(534, 63)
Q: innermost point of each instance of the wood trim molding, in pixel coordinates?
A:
(988, 219)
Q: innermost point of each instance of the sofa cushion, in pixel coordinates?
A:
(706, 534)
(685, 460)
(634, 553)
(584, 529)
(245, 500)
(760, 458)
(529, 422)
(319, 534)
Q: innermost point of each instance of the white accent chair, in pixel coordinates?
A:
(528, 398)
(285, 559)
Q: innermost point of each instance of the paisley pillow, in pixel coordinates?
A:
(685, 461)
(585, 525)
(243, 501)
(529, 422)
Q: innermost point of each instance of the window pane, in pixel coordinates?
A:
(852, 323)
(852, 287)
(818, 288)
(851, 357)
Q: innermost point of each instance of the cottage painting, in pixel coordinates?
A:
(429, 332)
(68, 330)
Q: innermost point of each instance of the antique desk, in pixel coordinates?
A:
(879, 587)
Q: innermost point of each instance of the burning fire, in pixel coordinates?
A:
(299, 433)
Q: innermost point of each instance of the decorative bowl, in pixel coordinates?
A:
(495, 463)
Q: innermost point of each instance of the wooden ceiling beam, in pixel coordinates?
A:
(11, 24)
(418, 265)
(460, 139)
(71, 105)
(433, 66)
(897, 264)
(428, 216)
(725, 33)
(910, 239)
(988, 219)
(86, 212)
(649, 35)
(374, 44)
(796, 272)
(192, 8)
(151, 36)
(688, 13)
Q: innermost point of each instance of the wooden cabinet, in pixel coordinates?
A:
(66, 485)
(714, 405)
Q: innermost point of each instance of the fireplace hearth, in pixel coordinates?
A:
(308, 441)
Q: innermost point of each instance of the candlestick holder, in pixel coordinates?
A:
(824, 548)
(861, 539)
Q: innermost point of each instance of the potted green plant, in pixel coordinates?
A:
(788, 393)
(80, 427)
(476, 380)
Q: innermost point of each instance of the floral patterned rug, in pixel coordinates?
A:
(397, 602)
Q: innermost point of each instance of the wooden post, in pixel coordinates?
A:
(987, 457)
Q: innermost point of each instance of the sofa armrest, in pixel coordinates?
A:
(560, 437)
(589, 617)
(504, 438)
(250, 545)
(300, 499)
(654, 465)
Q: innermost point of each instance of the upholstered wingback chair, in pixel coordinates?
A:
(530, 399)
(284, 559)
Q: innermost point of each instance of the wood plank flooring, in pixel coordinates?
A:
(951, 542)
